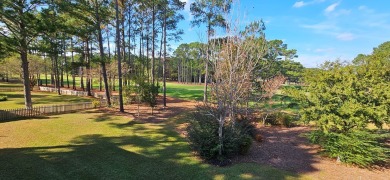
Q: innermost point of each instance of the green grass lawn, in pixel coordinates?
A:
(96, 145)
(10, 85)
(16, 99)
(184, 91)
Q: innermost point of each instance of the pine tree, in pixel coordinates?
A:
(211, 13)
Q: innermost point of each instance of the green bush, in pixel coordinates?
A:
(361, 148)
(143, 91)
(203, 136)
(292, 105)
(3, 98)
(96, 103)
(280, 119)
(284, 119)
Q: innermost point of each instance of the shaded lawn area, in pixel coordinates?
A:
(97, 145)
(184, 91)
(10, 85)
(16, 99)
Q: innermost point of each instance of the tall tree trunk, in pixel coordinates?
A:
(123, 46)
(121, 109)
(131, 61)
(207, 61)
(53, 71)
(58, 85)
(161, 61)
(102, 58)
(153, 41)
(66, 65)
(179, 71)
(147, 53)
(73, 67)
(88, 68)
(62, 75)
(100, 80)
(44, 59)
(26, 80)
(164, 60)
(82, 78)
(113, 82)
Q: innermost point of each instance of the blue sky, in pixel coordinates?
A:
(320, 30)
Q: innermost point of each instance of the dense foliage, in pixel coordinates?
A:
(204, 138)
(356, 147)
(344, 100)
(3, 98)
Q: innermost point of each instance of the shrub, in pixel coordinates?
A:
(280, 119)
(203, 137)
(361, 148)
(96, 103)
(292, 105)
(284, 119)
(3, 98)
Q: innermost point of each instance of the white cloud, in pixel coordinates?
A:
(332, 11)
(346, 36)
(299, 4)
(322, 27)
(331, 7)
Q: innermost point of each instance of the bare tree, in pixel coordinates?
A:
(234, 61)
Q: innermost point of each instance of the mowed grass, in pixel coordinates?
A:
(184, 91)
(16, 99)
(10, 85)
(98, 145)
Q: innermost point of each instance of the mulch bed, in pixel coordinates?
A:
(283, 148)
(289, 149)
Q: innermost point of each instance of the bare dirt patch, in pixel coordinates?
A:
(143, 112)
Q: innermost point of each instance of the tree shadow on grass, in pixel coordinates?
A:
(126, 157)
(149, 151)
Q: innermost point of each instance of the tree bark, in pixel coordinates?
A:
(207, 62)
(26, 80)
(153, 41)
(88, 68)
(121, 109)
(102, 59)
(164, 60)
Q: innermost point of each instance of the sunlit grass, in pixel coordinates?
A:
(98, 145)
(185, 91)
(16, 99)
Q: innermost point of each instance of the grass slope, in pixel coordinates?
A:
(97, 145)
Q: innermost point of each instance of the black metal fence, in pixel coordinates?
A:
(11, 114)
